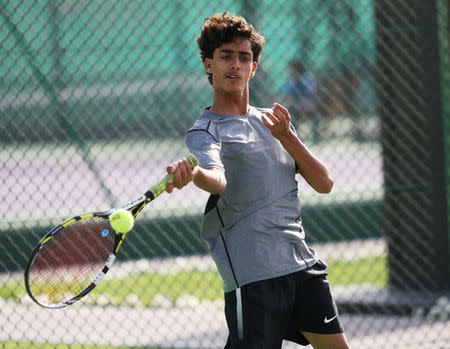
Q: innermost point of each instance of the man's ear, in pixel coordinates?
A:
(254, 66)
(207, 65)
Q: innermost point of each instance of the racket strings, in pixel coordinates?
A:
(69, 262)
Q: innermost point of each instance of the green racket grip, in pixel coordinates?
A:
(192, 160)
(160, 187)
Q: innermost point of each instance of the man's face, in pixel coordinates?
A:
(232, 66)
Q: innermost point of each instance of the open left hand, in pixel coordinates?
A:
(277, 121)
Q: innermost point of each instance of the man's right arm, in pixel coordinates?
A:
(203, 142)
(211, 180)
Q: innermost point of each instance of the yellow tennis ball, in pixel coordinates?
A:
(121, 220)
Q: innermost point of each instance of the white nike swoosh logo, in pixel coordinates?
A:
(326, 320)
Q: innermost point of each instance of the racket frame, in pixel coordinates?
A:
(134, 207)
(118, 238)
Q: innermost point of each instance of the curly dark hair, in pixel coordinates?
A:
(223, 28)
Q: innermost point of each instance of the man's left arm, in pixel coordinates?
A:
(315, 172)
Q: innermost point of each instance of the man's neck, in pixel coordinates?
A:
(230, 105)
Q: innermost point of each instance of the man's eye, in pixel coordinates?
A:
(245, 59)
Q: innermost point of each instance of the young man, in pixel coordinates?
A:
(275, 286)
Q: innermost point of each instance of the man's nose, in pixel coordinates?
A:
(235, 64)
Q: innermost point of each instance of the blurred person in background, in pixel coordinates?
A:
(300, 91)
(301, 100)
(339, 91)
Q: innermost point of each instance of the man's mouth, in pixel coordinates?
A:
(233, 76)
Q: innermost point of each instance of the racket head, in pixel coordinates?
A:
(71, 259)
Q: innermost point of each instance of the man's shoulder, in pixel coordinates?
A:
(203, 127)
(216, 123)
(258, 110)
(202, 121)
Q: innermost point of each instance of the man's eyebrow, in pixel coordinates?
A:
(247, 53)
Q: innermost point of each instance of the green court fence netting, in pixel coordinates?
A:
(95, 100)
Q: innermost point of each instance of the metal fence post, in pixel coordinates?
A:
(412, 139)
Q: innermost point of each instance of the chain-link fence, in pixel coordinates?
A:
(95, 100)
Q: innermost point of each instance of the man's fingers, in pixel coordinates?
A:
(271, 117)
(266, 121)
(169, 187)
(281, 108)
(182, 174)
(171, 168)
(281, 112)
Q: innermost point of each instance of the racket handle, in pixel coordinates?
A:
(192, 160)
(160, 187)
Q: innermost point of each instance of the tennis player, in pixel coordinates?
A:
(275, 285)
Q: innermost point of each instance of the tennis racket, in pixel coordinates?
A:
(74, 256)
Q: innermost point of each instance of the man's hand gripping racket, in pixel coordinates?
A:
(74, 256)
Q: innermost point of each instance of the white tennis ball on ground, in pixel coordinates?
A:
(121, 220)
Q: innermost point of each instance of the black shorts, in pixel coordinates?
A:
(280, 308)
